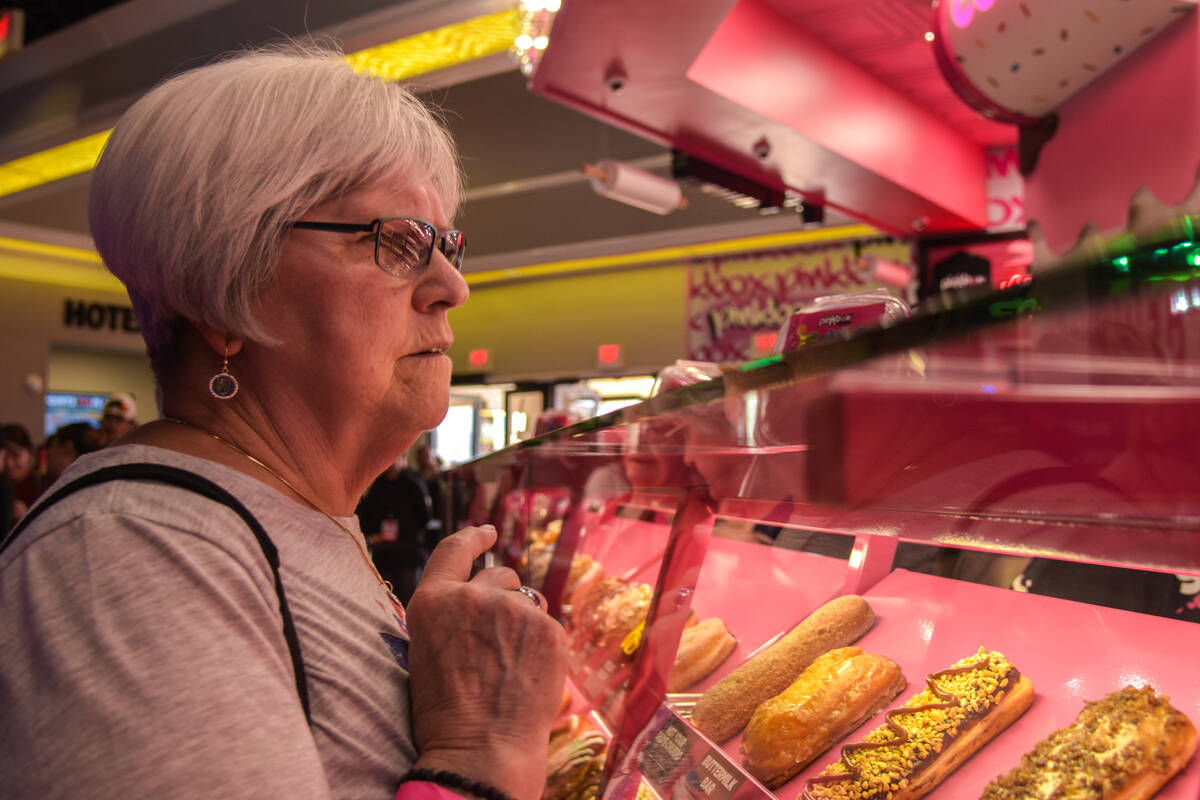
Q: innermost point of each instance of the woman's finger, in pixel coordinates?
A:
(454, 556)
(499, 577)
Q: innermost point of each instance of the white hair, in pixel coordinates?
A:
(192, 195)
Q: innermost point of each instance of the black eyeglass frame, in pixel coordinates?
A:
(376, 226)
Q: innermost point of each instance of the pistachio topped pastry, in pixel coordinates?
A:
(928, 737)
(1124, 746)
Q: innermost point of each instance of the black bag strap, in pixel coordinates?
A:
(202, 486)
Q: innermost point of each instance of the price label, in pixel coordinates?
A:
(666, 753)
(715, 777)
(680, 763)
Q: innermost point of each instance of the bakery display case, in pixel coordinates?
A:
(999, 491)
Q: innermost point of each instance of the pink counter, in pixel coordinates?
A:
(1072, 652)
(761, 593)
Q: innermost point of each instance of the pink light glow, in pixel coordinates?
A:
(963, 11)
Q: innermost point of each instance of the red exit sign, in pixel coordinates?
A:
(610, 355)
(479, 358)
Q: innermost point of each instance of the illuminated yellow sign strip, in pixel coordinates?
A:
(398, 60)
(439, 48)
(751, 244)
(22, 260)
(82, 275)
(51, 250)
(54, 164)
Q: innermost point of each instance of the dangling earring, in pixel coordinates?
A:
(223, 385)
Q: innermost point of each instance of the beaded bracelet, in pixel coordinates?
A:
(452, 780)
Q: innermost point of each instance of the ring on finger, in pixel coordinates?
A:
(532, 594)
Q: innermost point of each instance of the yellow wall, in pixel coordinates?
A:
(78, 369)
(535, 329)
(552, 327)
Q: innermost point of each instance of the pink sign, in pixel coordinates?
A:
(998, 263)
(963, 11)
(1005, 190)
(806, 328)
(731, 301)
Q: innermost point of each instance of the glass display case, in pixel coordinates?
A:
(1014, 471)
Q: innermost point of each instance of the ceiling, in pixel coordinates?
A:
(887, 38)
(527, 201)
(51, 16)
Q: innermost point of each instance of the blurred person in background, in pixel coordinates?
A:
(67, 444)
(394, 515)
(118, 418)
(7, 498)
(652, 453)
(208, 623)
(424, 462)
(606, 480)
(21, 467)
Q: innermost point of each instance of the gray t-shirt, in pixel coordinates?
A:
(142, 653)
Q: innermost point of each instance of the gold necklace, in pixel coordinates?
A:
(357, 543)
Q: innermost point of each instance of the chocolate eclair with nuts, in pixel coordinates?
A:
(960, 710)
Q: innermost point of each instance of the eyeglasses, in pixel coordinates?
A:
(403, 245)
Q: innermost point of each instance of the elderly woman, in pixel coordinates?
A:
(199, 617)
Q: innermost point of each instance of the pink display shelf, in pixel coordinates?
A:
(760, 592)
(1073, 652)
(634, 548)
(630, 548)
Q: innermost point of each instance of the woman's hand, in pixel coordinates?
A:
(486, 670)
